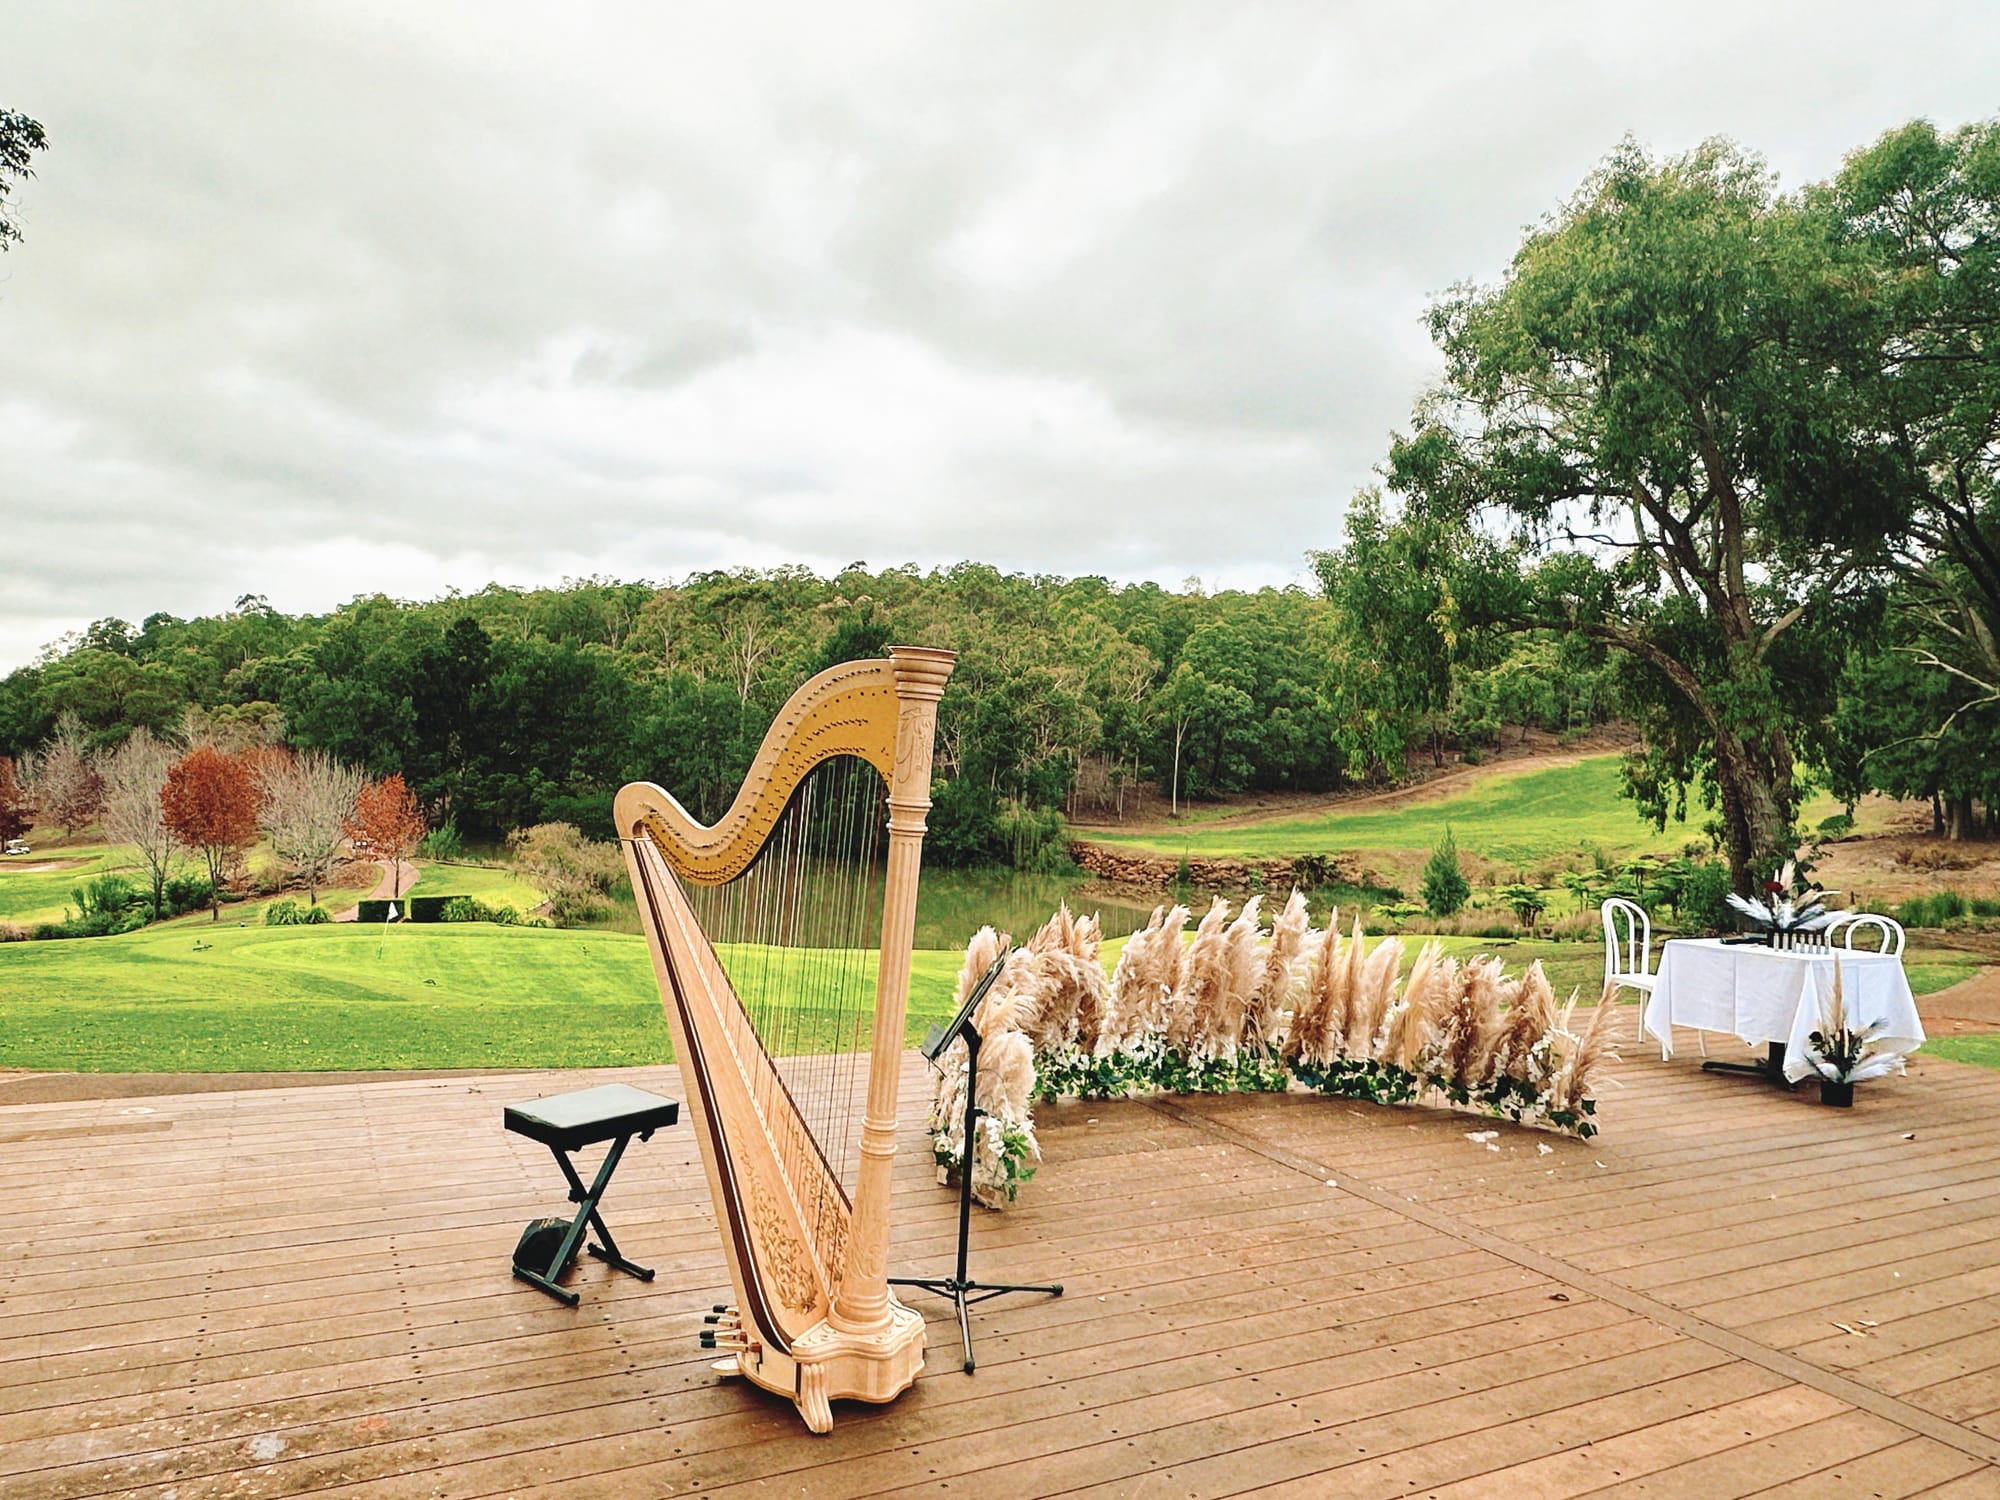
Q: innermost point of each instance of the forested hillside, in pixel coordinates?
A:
(509, 708)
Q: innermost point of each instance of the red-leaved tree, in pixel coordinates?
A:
(389, 822)
(16, 817)
(210, 802)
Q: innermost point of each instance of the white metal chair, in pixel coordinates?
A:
(1628, 960)
(1888, 930)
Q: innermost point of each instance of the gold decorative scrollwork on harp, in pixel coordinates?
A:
(759, 930)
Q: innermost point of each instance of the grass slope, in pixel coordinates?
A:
(28, 895)
(286, 999)
(1522, 815)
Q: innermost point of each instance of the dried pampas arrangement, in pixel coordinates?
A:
(1233, 1009)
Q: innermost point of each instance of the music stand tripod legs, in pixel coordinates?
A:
(963, 1291)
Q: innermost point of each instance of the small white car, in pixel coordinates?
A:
(18, 846)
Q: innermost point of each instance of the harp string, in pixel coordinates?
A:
(798, 934)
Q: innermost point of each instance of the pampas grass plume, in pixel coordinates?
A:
(1374, 991)
(1281, 972)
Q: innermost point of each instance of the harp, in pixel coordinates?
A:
(781, 936)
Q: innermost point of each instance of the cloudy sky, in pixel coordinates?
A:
(323, 299)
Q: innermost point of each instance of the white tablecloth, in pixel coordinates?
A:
(1773, 995)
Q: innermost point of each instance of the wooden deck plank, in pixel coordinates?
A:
(265, 1293)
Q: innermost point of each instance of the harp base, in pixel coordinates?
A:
(827, 1365)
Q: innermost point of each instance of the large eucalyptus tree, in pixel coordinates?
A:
(1649, 405)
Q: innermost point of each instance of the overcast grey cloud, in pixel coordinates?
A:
(323, 299)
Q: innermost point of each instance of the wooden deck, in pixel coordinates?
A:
(1732, 1292)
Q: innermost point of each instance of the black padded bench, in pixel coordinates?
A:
(614, 1112)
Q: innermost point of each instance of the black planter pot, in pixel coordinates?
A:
(1839, 1095)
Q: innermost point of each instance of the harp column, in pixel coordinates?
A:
(863, 1299)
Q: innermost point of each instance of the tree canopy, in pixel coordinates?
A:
(1651, 409)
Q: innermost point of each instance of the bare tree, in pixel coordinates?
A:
(134, 773)
(308, 803)
(65, 782)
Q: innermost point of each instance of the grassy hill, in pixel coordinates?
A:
(1521, 814)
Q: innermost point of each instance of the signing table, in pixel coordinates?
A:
(1773, 995)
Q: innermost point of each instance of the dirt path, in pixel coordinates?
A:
(385, 890)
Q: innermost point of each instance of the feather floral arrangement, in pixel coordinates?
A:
(1527, 1021)
(1219, 1034)
(1790, 908)
(1086, 952)
(1841, 1052)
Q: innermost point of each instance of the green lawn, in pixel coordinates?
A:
(284, 999)
(495, 887)
(1981, 1050)
(197, 998)
(1521, 816)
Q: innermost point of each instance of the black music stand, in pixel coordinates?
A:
(957, 1285)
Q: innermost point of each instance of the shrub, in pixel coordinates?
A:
(1399, 912)
(10, 933)
(97, 924)
(106, 895)
(577, 873)
(1525, 901)
(1704, 896)
(292, 914)
(1577, 927)
(442, 842)
(408, 909)
(1034, 838)
(185, 893)
(1934, 910)
(1445, 885)
(472, 909)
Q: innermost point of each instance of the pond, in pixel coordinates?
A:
(954, 904)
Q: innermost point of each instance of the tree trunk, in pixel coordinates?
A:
(1959, 820)
(1937, 815)
(1756, 787)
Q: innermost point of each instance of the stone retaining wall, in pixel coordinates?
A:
(1157, 872)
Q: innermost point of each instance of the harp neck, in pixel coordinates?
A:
(857, 708)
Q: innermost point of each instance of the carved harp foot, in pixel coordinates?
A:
(814, 1404)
